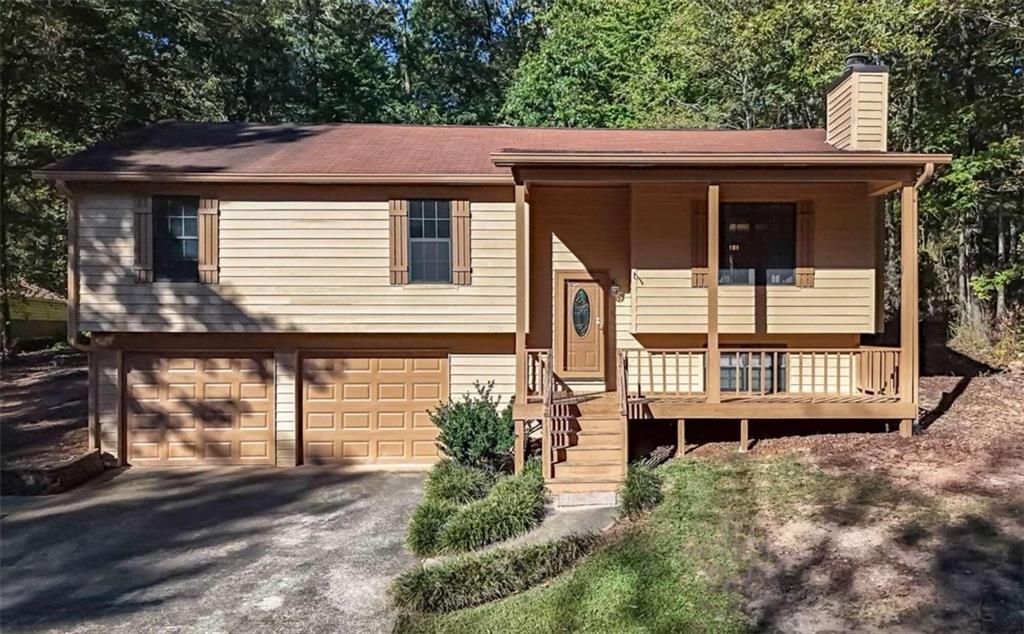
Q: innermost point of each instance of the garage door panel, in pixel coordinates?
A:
(377, 411)
(199, 409)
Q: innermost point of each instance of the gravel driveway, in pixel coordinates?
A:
(308, 549)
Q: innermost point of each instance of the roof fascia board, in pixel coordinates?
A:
(238, 177)
(788, 159)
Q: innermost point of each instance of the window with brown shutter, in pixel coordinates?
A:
(462, 257)
(805, 244)
(699, 244)
(143, 233)
(209, 241)
(398, 232)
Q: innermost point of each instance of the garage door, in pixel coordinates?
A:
(371, 409)
(199, 409)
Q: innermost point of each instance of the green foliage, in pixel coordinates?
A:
(514, 506)
(474, 579)
(476, 431)
(640, 492)
(455, 483)
(422, 536)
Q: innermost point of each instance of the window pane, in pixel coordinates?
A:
(175, 239)
(757, 243)
(430, 241)
(190, 249)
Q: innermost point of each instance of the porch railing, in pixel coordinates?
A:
(539, 375)
(750, 373)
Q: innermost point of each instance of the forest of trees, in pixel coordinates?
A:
(74, 72)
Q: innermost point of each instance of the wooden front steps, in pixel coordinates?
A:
(595, 462)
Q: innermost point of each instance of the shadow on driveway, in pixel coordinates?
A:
(203, 549)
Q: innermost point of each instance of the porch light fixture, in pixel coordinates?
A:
(617, 292)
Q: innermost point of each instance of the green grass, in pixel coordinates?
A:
(665, 573)
(671, 570)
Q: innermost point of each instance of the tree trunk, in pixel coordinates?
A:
(5, 286)
(1003, 264)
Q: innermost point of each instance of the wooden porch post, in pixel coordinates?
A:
(714, 376)
(680, 437)
(522, 291)
(744, 435)
(908, 375)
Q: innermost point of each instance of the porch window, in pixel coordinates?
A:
(742, 372)
(176, 238)
(430, 241)
(757, 244)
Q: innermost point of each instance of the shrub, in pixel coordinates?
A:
(452, 482)
(474, 432)
(474, 579)
(641, 491)
(422, 536)
(514, 506)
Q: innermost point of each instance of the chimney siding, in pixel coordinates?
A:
(858, 111)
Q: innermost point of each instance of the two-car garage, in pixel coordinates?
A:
(219, 408)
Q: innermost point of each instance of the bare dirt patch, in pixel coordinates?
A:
(44, 413)
(925, 534)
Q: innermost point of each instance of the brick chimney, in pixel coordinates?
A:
(858, 106)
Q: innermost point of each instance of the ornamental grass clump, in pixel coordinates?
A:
(513, 506)
(422, 536)
(475, 579)
(451, 482)
(641, 491)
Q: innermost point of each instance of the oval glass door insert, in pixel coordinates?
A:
(581, 313)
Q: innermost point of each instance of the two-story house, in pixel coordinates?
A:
(296, 294)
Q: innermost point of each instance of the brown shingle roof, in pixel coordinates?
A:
(380, 149)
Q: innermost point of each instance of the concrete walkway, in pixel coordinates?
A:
(564, 522)
(309, 549)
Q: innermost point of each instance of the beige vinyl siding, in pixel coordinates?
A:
(660, 254)
(842, 300)
(285, 416)
(872, 111)
(858, 112)
(840, 114)
(296, 266)
(465, 369)
(106, 406)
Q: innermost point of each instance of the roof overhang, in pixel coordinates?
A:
(263, 178)
(535, 158)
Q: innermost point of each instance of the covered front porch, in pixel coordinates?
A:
(631, 305)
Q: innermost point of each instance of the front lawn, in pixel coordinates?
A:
(662, 574)
(747, 544)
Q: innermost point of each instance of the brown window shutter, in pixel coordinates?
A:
(699, 244)
(398, 230)
(462, 257)
(209, 241)
(143, 234)
(805, 244)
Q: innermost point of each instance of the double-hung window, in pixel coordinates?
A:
(176, 238)
(757, 243)
(430, 241)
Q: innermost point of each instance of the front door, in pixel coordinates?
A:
(581, 325)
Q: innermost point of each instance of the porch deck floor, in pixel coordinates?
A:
(766, 398)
